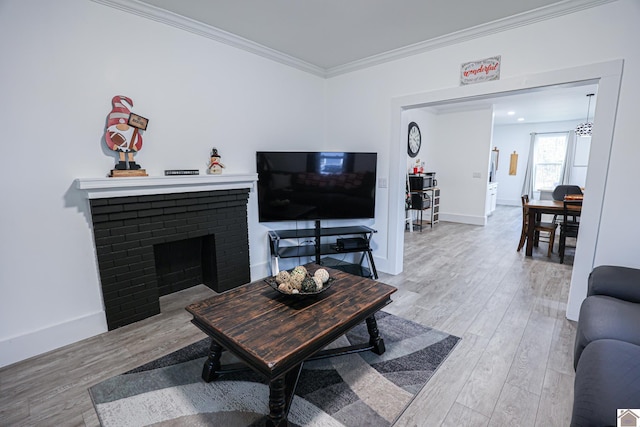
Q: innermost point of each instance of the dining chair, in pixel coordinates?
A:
(562, 190)
(546, 227)
(569, 225)
(559, 194)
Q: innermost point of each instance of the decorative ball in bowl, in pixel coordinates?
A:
(299, 282)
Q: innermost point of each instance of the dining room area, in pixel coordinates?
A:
(546, 178)
(551, 225)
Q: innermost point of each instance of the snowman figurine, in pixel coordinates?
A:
(215, 167)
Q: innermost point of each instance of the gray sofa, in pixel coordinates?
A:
(607, 347)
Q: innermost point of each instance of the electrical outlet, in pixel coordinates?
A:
(477, 175)
(382, 183)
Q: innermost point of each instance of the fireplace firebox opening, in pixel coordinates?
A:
(185, 263)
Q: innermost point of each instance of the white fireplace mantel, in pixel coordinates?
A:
(101, 188)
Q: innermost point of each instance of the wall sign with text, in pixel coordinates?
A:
(482, 70)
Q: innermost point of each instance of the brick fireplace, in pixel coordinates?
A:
(160, 236)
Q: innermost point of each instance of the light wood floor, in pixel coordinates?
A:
(512, 367)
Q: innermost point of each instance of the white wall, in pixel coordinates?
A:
(461, 152)
(426, 123)
(579, 159)
(467, 134)
(517, 137)
(62, 62)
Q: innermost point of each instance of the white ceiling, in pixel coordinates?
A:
(552, 104)
(330, 34)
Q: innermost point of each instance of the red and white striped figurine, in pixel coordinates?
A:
(120, 136)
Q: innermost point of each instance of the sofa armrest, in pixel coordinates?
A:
(615, 281)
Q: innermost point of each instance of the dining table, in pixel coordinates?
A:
(538, 207)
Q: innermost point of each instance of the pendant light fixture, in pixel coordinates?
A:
(584, 129)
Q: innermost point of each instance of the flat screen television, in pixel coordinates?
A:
(315, 185)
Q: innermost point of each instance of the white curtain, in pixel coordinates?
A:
(527, 186)
(565, 176)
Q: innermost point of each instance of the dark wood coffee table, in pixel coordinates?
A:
(274, 333)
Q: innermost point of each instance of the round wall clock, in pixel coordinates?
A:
(414, 140)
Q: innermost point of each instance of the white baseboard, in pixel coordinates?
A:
(21, 347)
(509, 202)
(259, 271)
(464, 219)
(382, 264)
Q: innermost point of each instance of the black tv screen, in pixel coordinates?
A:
(315, 185)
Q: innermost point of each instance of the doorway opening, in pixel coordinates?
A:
(607, 75)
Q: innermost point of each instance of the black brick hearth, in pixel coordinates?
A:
(126, 230)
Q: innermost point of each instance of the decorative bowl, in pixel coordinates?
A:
(271, 281)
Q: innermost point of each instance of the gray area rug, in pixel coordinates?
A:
(361, 389)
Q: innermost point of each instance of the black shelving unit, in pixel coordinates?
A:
(358, 241)
(423, 200)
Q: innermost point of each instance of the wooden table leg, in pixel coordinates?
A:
(212, 364)
(375, 339)
(530, 228)
(281, 392)
(277, 405)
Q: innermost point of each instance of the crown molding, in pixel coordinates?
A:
(160, 15)
(526, 18)
(166, 17)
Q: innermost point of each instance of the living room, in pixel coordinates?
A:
(65, 61)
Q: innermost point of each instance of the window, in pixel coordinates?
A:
(548, 160)
(332, 163)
